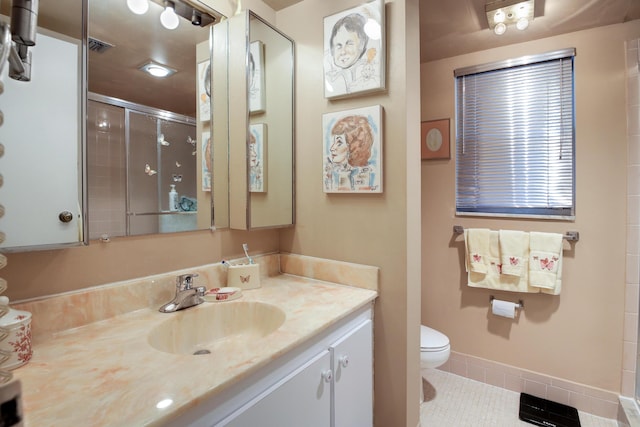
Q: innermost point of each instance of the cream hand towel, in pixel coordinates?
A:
(477, 244)
(514, 246)
(558, 287)
(493, 278)
(545, 253)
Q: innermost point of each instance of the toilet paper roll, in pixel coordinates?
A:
(504, 308)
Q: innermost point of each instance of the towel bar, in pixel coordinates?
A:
(570, 236)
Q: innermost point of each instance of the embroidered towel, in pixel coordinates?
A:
(477, 245)
(556, 290)
(513, 245)
(493, 278)
(545, 253)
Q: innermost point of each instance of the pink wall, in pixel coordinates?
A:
(577, 336)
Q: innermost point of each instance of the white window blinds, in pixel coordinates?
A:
(515, 137)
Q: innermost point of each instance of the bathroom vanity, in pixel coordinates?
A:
(334, 369)
(315, 363)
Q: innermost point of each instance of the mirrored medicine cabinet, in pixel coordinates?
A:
(144, 135)
(42, 167)
(261, 124)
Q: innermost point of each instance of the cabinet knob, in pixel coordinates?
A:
(327, 375)
(65, 216)
(344, 361)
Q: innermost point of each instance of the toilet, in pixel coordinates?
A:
(434, 347)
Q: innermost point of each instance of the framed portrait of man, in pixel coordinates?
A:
(256, 78)
(354, 51)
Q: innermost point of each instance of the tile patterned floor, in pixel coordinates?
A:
(455, 401)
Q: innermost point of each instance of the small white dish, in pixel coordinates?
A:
(222, 294)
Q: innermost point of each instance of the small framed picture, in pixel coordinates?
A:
(258, 158)
(352, 152)
(256, 78)
(434, 142)
(354, 51)
(204, 90)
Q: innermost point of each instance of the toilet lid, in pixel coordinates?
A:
(432, 340)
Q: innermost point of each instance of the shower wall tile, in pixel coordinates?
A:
(633, 92)
(632, 297)
(633, 180)
(633, 239)
(105, 176)
(630, 327)
(629, 352)
(633, 210)
(632, 294)
(628, 383)
(633, 124)
(633, 149)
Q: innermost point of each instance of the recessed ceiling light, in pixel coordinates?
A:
(157, 70)
(500, 28)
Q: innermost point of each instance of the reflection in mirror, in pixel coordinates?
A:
(148, 135)
(159, 150)
(42, 188)
(261, 124)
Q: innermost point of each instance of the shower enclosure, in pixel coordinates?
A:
(135, 154)
(631, 368)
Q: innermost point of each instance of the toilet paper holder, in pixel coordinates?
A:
(519, 305)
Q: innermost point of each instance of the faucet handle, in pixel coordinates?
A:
(185, 281)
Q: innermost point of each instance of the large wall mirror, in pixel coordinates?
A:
(154, 162)
(146, 138)
(149, 117)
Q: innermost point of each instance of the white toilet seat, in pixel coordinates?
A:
(434, 347)
(432, 340)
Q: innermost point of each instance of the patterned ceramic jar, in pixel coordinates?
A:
(15, 336)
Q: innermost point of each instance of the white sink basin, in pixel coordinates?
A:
(216, 328)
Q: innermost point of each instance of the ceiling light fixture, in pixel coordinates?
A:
(502, 13)
(139, 7)
(196, 17)
(157, 70)
(168, 18)
(200, 15)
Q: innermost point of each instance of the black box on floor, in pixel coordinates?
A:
(543, 412)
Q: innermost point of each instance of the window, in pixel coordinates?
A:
(515, 144)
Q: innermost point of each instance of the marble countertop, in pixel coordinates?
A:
(106, 373)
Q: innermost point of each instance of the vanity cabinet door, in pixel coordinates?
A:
(352, 358)
(302, 398)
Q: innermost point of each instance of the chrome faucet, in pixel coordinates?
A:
(186, 295)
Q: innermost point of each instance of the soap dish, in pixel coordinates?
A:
(222, 294)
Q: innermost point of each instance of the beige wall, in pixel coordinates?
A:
(42, 273)
(366, 228)
(578, 335)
